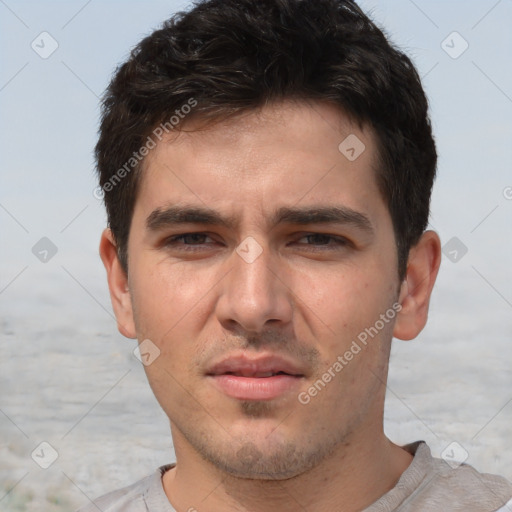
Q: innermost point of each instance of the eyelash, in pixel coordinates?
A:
(173, 240)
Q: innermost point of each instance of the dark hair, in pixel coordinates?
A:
(230, 56)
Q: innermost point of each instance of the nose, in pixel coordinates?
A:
(254, 295)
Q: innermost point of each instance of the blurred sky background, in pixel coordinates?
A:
(68, 377)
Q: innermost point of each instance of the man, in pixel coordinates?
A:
(267, 169)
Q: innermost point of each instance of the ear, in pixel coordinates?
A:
(422, 267)
(118, 285)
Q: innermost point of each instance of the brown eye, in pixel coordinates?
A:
(190, 238)
(188, 241)
(321, 239)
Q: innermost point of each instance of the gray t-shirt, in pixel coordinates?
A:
(427, 485)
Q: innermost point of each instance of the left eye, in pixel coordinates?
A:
(323, 240)
(191, 238)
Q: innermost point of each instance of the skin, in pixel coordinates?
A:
(304, 297)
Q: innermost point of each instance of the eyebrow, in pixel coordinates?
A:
(175, 215)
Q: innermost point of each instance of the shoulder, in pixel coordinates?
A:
(462, 485)
(465, 476)
(129, 499)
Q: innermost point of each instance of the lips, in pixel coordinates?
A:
(255, 374)
(263, 378)
(263, 366)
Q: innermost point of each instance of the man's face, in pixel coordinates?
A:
(230, 306)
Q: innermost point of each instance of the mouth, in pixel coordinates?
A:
(263, 378)
(259, 375)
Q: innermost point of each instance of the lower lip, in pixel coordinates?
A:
(256, 388)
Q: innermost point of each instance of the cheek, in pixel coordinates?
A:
(342, 307)
(164, 297)
(341, 298)
(167, 306)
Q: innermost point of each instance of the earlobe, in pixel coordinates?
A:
(118, 285)
(415, 292)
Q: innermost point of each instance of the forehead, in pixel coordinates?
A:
(281, 155)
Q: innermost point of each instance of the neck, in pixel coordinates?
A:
(357, 474)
